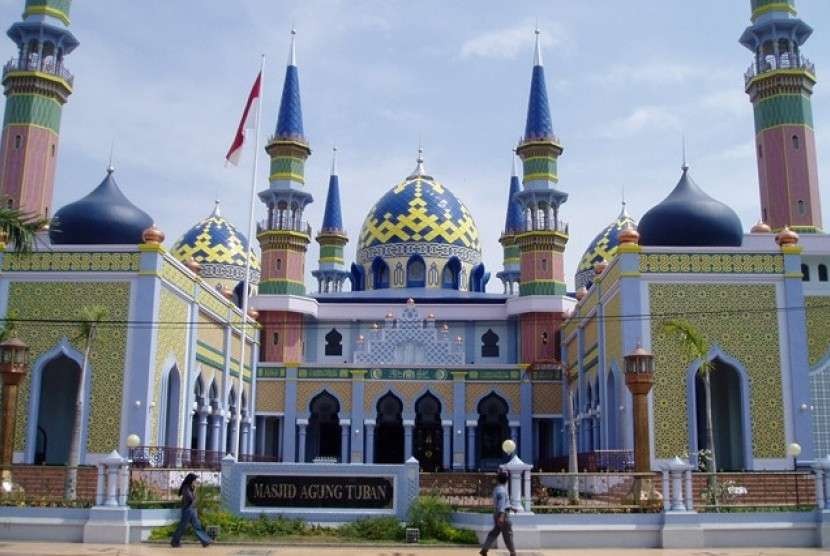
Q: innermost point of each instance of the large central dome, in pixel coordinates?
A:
(420, 210)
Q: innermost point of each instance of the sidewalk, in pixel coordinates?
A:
(45, 549)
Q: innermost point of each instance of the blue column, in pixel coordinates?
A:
(797, 352)
(358, 393)
(301, 425)
(470, 343)
(633, 331)
(344, 442)
(446, 448)
(189, 373)
(471, 445)
(459, 404)
(525, 440)
(369, 426)
(216, 423)
(289, 428)
(408, 424)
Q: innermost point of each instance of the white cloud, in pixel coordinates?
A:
(732, 101)
(509, 42)
(643, 118)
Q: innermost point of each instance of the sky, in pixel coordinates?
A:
(166, 83)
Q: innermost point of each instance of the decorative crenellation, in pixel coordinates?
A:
(717, 263)
(62, 261)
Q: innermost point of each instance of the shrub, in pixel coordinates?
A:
(373, 529)
(431, 514)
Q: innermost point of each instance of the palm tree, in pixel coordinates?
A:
(90, 317)
(20, 229)
(697, 346)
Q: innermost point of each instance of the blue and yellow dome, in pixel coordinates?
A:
(604, 246)
(419, 210)
(215, 244)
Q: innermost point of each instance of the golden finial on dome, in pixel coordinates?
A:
(253, 313)
(600, 266)
(629, 235)
(410, 301)
(153, 235)
(786, 237)
(761, 227)
(581, 293)
(193, 265)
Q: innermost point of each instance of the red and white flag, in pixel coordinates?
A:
(249, 121)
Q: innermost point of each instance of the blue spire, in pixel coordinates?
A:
(290, 120)
(539, 124)
(513, 222)
(333, 217)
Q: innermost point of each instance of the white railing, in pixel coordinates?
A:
(782, 61)
(51, 68)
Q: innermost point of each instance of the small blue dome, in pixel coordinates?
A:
(104, 217)
(690, 217)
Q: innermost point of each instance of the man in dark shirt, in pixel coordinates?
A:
(501, 525)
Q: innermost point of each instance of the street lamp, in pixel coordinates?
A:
(793, 451)
(14, 362)
(639, 377)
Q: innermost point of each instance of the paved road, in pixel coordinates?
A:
(43, 549)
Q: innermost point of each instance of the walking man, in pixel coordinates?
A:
(501, 523)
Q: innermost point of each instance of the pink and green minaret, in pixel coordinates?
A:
(37, 85)
(780, 83)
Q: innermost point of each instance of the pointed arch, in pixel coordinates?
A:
(171, 402)
(334, 343)
(493, 429)
(743, 397)
(380, 274)
(451, 275)
(323, 438)
(428, 434)
(357, 278)
(490, 344)
(62, 354)
(389, 431)
(416, 272)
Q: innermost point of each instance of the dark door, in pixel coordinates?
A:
(429, 437)
(389, 430)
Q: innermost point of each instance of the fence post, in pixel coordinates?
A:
(666, 489)
(113, 463)
(822, 471)
(516, 468)
(677, 468)
(690, 493)
(100, 485)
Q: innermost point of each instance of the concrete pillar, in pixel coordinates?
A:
(344, 441)
(216, 423)
(301, 424)
(459, 404)
(201, 438)
(408, 425)
(260, 435)
(524, 439)
(471, 445)
(447, 437)
(246, 429)
(369, 427)
(279, 426)
(358, 393)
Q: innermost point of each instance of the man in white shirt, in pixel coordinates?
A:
(501, 525)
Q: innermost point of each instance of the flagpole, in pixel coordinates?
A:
(247, 282)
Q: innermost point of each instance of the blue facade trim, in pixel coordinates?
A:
(289, 429)
(459, 405)
(357, 430)
(526, 418)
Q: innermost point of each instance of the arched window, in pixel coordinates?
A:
(796, 142)
(18, 140)
(357, 278)
(279, 264)
(822, 273)
(805, 273)
(416, 272)
(760, 151)
(490, 344)
(380, 274)
(324, 434)
(450, 278)
(276, 338)
(334, 342)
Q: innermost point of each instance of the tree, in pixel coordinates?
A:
(89, 319)
(697, 346)
(20, 229)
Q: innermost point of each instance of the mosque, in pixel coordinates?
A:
(402, 351)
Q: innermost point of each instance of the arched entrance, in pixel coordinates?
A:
(611, 411)
(230, 428)
(389, 430)
(171, 406)
(429, 436)
(492, 430)
(727, 416)
(323, 439)
(212, 443)
(56, 410)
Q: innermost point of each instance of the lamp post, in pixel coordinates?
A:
(793, 451)
(14, 362)
(639, 377)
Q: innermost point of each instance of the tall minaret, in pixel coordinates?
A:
(37, 85)
(332, 273)
(284, 236)
(512, 225)
(543, 237)
(780, 83)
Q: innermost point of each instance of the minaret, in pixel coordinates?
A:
(512, 225)
(284, 235)
(780, 83)
(541, 242)
(332, 272)
(37, 85)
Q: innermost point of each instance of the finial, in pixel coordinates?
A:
(216, 211)
(623, 210)
(537, 55)
(292, 55)
(685, 165)
(419, 169)
(334, 160)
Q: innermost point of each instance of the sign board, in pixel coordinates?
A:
(323, 491)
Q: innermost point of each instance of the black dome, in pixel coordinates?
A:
(690, 217)
(104, 217)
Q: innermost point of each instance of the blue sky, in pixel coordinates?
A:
(166, 81)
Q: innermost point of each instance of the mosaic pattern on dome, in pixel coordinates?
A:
(751, 337)
(604, 246)
(419, 210)
(214, 243)
(61, 301)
